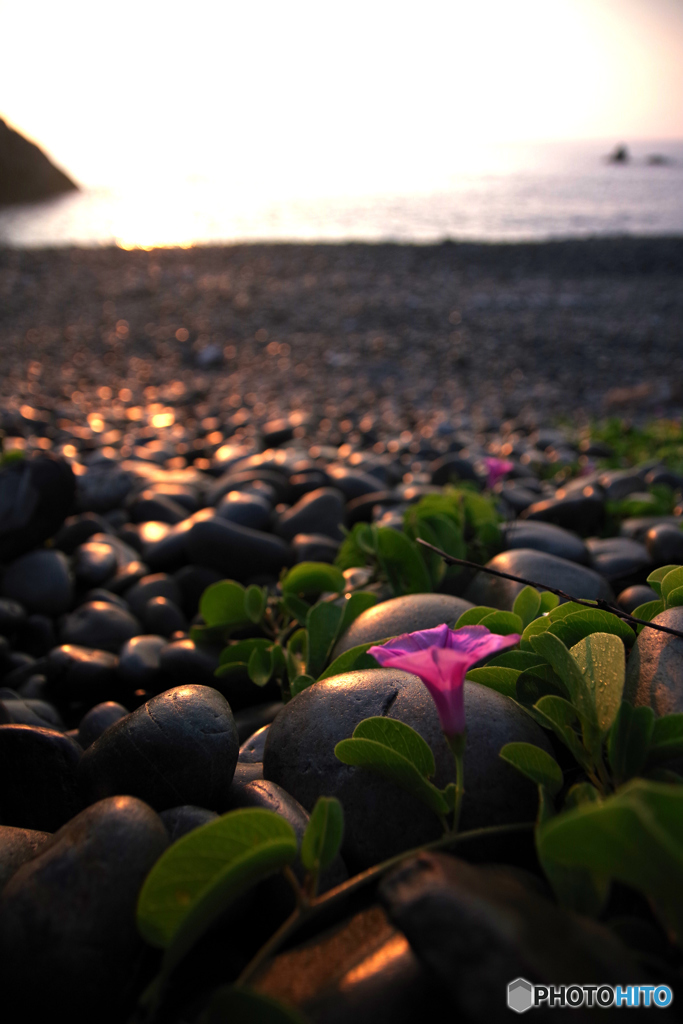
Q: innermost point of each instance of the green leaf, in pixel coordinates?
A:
(666, 741)
(647, 611)
(355, 605)
(578, 625)
(353, 660)
(579, 794)
(567, 668)
(323, 835)
(629, 739)
(503, 623)
(535, 764)
(674, 598)
(255, 600)
(238, 655)
(260, 666)
(558, 714)
(323, 624)
(672, 581)
(222, 604)
(400, 737)
(548, 601)
(313, 578)
(635, 837)
(362, 753)
(504, 680)
(279, 662)
(655, 578)
(208, 634)
(473, 616)
(538, 681)
(402, 563)
(296, 655)
(602, 661)
(534, 628)
(434, 564)
(527, 605)
(301, 682)
(296, 607)
(521, 660)
(233, 1005)
(561, 611)
(200, 875)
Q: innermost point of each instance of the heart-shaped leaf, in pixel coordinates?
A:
(473, 616)
(323, 835)
(535, 764)
(502, 623)
(527, 605)
(400, 737)
(323, 622)
(362, 753)
(504, 680)
(222, 604)
(313, 578)
(602, 661)
(629, 739)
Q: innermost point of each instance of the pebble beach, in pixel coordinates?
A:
(573, 329)
(272, 426)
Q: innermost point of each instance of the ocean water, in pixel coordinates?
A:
(495, 193)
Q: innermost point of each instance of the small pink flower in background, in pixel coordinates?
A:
(496, 468)
(441, 657)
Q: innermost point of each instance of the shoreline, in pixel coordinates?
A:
(577, 328)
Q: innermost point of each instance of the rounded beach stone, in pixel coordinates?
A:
(101, 625)
(665, 544)
(99, 718)
(18, 845)
(163, 617)
(40, 581)
(69, 914)
(37, 495)
(540, 567)
(181, 820)
(320, 511)
(181, 747)
(251, 751)
(540, 536)
(238, 551)
(314, 547)
(583, 511)
(382, 819)
(401, 615)
(620, 560)
(246, 508)
(77, 673)
(38, 769)
(654, 673)
(631, 597)
(94, 563)
(139, 662)
(159, 584)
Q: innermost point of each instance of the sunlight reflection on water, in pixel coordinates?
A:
(552, 192)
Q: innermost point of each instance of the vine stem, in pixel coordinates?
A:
(310, 909)
(599, 603)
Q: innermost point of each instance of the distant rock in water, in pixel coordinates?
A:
(26, 174)
(619, 155)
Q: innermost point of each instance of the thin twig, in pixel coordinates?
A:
(599, 603)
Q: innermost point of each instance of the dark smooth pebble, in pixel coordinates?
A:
(186, 818)
(40, 581)
(38, 767)
(162, 616)
(251, 751)
(314, 547)
(181, 747)
(182, 661)
(71, 909)
(320, 511)
(253, 718)
(159, 508)
(554, 540)
(664, 543)
(193, 581)
(77, 530)
(99, 718)
(81, 674)
(155, 585)
(582, 511)
(246, 508)
(94, 563)
(237, 551)
(12, 614)
(539, 567)
(100, 625)
(630, 598)
(620, 560)
(139, 662)
(37, 495)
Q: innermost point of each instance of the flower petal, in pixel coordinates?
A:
(409, 642)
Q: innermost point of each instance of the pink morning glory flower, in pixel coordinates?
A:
(441, 657)
(496, 468)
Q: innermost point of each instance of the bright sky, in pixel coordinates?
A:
(296, 88)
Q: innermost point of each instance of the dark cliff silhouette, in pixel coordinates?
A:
(26, 174)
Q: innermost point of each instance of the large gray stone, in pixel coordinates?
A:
(380, 818)
(654, 673)
(539, 567)
(401, 615)
(546, 537)
(67, 917)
